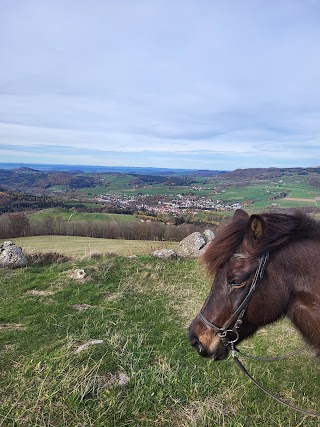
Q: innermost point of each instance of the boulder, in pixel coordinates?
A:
(209, 235)
(11, 256)
(195, 244)
(165, 254)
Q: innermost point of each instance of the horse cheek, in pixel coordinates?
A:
(265, 309)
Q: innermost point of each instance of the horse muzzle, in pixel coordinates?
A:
(215, 352)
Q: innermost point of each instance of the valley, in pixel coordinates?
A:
(167, 196)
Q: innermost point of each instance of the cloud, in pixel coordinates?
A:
(234, 82)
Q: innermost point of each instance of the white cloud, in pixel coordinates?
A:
(228, 79)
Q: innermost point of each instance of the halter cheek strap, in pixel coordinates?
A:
(237, 316)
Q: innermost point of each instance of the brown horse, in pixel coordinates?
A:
(265, 267)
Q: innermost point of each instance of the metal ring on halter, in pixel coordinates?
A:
(236, 336)
(224, 336)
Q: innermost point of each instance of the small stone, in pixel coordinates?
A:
(165, 254)
(77, 274)
(87, 344)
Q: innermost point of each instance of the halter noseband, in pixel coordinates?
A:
(237, 316)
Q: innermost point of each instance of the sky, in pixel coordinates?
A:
(206, 84)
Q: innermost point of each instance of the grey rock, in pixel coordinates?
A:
(209, 235)
(77, 274)
(165, 254)
(195, 244)
(11, 256)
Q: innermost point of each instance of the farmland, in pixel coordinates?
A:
(173, 197)
(219, 195)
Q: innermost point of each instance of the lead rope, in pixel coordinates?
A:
(278, 399)
(271, 359)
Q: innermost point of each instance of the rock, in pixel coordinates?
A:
(110, 380)
(165, 253)
(88, 344)
(77, 274)
(209, 235)
(195, 244)
(11, 256)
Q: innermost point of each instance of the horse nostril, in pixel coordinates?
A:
(200, 348)
(197, 345)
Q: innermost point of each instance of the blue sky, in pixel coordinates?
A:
(201, 84)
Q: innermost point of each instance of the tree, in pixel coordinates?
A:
(19, 224)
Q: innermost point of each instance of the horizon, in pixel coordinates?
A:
(211, 86)
(117, 168)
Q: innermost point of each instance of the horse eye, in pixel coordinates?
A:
(234, 284)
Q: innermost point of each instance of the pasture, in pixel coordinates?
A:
(69, 215)
(142, 371)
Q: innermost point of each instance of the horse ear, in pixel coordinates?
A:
(256, 228)
(240, 214)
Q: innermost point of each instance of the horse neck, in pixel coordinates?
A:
(296, 272)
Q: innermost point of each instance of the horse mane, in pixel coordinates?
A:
(280, 230)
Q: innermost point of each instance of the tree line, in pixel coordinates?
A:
(18, 224)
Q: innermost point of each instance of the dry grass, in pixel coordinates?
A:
(77, 247)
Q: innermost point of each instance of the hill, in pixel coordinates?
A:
(168, 196)
(106, 169)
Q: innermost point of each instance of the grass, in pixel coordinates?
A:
(144, 373)
(86, 246)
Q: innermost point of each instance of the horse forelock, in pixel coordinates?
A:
(228, 238)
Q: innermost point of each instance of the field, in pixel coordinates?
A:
(291, 190)
(87, 246)
(67, 215)
(140, 370)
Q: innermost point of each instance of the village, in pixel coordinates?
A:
(164, 205)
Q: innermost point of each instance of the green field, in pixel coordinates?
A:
(142, 371)
(70, 215)
(261, 194)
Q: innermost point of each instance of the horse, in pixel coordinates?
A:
(265, 266)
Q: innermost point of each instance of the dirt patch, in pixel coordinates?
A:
(36, 293)
(82, 307)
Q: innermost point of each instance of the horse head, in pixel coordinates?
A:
(235, 307)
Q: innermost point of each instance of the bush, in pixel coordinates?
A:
(46, 258)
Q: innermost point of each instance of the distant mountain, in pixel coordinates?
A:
(108, 169)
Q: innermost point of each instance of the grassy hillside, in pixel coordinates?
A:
(141, 370)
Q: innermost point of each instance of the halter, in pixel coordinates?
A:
(229, 335)
(237, 319)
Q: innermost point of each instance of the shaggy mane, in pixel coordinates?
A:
(280, 230)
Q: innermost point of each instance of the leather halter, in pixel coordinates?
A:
(237, 319)
(237, 316)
